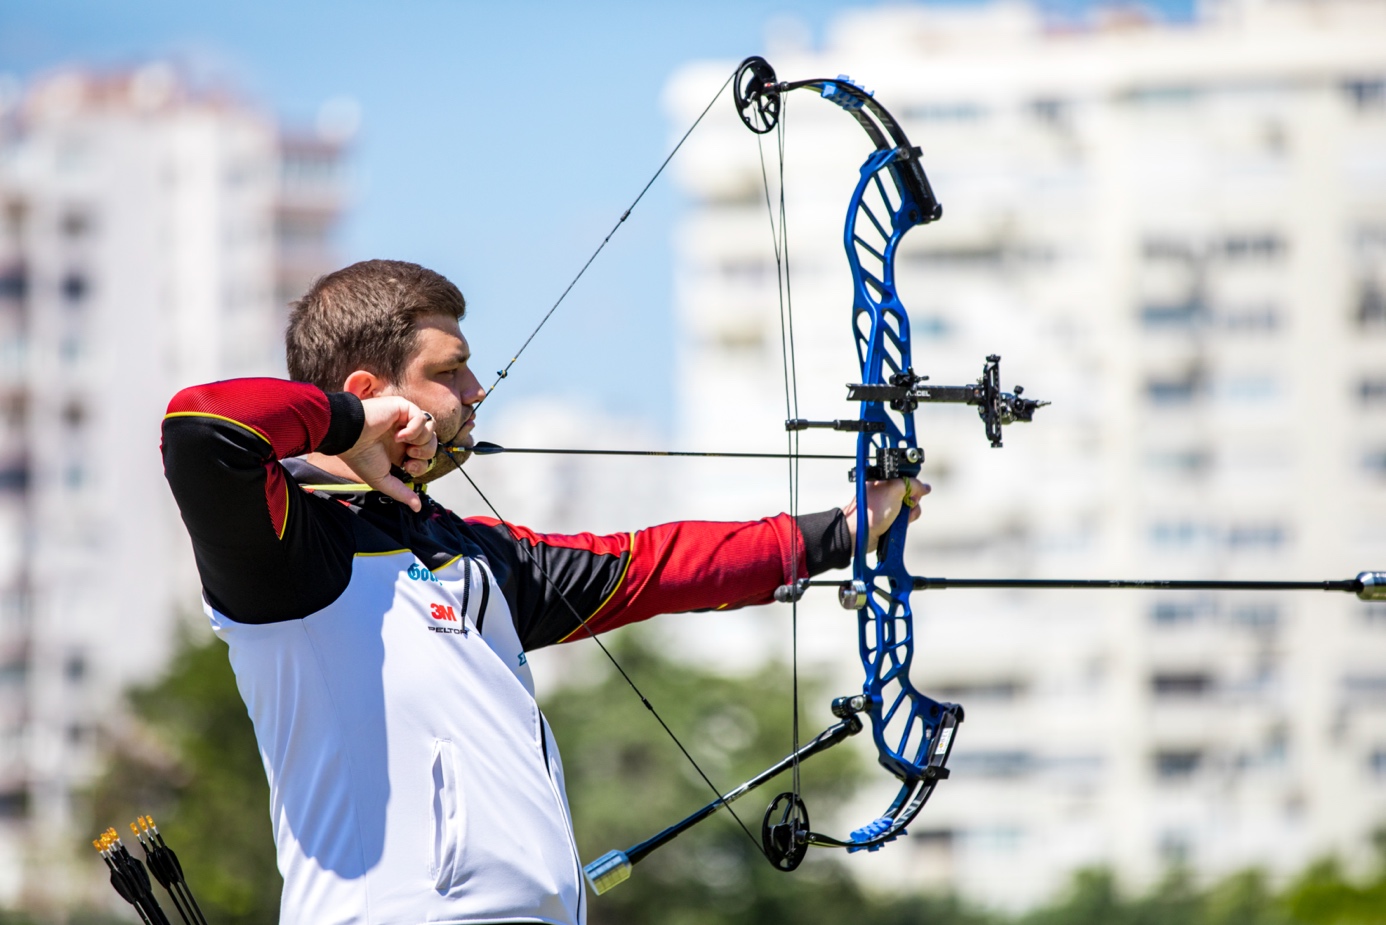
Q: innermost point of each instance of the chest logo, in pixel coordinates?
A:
(445, 614)
(421, 573)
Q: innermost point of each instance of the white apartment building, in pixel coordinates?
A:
(150, 237)
(1178, 235)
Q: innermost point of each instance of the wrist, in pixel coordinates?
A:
(348, 419)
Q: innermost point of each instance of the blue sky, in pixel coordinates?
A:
(499, 143)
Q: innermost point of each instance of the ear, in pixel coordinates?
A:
(364, 385)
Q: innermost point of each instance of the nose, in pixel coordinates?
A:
(471, 392)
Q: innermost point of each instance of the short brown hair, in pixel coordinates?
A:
(363, 317)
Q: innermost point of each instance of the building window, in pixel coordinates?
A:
(1180, 389)
(1181, 684)
(1371, 306)
(1376, 763)
(1365, 688)
(75, 288)
(1176, 848)
(1053, 112)
(74, 413)
(75, 668)
(1250, 389)
(14, 282)
(1251, 318)
(14, 476)
(1371, 392)
(1247, 247)
(1374, 461)
(1178, 535)
(1176, 612)
(1165, 97)
(14, 673)
(14, 804)
(75, 224)
(1156, 249)
(1187, 463)
(1186, 314)
(993, 763)
(1186, 534)
(1256, 536)
(1179, 764)
(1256, 616)
(998, 839)
(1001, 690)
(1366, 95)
(946, 112)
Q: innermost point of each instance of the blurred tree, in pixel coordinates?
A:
(1323, 895)
(192, 764)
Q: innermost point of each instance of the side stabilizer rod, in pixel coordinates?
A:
(614, 867)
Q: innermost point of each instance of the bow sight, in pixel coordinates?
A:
(905, 391)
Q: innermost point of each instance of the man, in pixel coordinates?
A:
(379, 640)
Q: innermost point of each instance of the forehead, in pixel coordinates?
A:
(437, 339)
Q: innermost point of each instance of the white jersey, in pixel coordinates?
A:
(412, 776)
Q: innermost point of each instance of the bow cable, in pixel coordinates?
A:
(779, 234)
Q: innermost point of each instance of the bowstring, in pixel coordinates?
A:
(779, 233)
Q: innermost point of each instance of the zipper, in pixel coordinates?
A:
(562, 809)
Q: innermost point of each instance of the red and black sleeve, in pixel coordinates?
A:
(555, 584)
(266, 551)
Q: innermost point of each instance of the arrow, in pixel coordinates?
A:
(483, 448)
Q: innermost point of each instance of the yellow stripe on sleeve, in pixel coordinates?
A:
(219, 417)
(619, 581)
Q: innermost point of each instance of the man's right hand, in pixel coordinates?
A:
(396, 432)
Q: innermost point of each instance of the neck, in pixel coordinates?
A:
(332, 465)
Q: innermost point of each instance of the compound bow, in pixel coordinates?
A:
(913, 733)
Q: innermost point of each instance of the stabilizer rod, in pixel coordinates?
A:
(614, 867)
(1369, 586)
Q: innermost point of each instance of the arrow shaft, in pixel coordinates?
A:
(491, 449)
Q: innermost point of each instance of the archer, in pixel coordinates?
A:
(379, 639)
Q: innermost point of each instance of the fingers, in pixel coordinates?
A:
(418, 439)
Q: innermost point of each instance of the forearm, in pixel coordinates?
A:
(559, 584)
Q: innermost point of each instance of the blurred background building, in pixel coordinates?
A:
(151, 236)
(1177, 235)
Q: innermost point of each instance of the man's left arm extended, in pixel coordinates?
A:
(556, 584)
